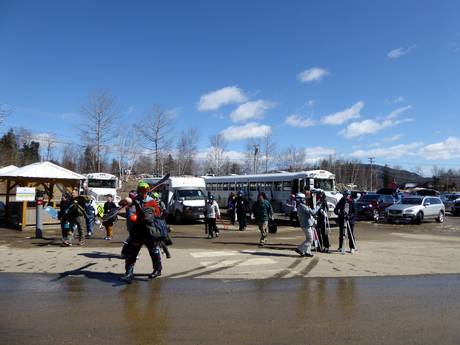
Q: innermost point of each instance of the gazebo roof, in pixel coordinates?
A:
(41, 170)
(7, 169)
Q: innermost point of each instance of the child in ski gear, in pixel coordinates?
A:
(293, 211)
(146, 209)
(64, 217)
(262, 211)
(109, 208)
(212, 214)
(346, 212)
(306, 222)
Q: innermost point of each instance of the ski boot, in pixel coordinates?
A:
(129, 275)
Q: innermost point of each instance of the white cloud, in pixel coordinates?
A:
(392, 152)
(314, 154)
(295, 120)
(399, 99)
(398, 111)
(312, 74)
(343, 116)
(131, 109)
(247, 131)
(398, 52)
(372, 126)
(215, 99)
(251, 110)
(231, 155)
(447, 149)
(392, 138)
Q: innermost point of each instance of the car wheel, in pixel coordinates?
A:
(376, 215)
(419, 218)
(440, 218)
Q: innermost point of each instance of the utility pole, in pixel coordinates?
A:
(371, 160)
(256, 152)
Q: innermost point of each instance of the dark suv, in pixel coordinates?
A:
(372, 206)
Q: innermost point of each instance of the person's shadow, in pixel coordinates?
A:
(106, 277)
(101, 255)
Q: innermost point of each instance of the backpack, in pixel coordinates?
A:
(149, 215)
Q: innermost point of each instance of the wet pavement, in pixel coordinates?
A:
(49, 309)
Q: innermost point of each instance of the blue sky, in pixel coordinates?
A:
(353, 78)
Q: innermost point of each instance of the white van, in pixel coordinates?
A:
(184, 197)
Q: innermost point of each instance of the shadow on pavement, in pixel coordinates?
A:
(106, 277)
(101, 255)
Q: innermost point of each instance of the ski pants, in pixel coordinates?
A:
(350, 232)
(323, 236)
(242, 220)
(263, 228)
(212, 227)
(78, 223)
(305, 247)
(134, 246)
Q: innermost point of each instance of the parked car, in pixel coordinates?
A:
(456, 211)
(449, 201)
(416, 209)
(372, 206)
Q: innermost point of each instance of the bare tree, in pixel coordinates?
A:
(126, 151)
(268, 151)
(99, 115)
(156, 132)
(216, 157)
(4, 112)
(69, 157)
(186, 151)
(292, 159)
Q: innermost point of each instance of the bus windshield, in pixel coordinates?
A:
(190, 194)
(92, 183)
(324, 184)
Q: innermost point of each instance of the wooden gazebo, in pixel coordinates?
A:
(44, 174)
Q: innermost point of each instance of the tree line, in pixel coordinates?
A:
(152, 146)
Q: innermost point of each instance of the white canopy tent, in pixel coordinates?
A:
(45, 174)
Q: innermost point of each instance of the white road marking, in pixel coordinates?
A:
(238, 263)
(214, 254)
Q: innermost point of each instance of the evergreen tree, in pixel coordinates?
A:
(9, 149)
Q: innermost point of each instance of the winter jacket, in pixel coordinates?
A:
(306, 215)
(262, 211)
(212, 210)
(241, 205)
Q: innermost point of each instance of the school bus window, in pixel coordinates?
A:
(278, 186)
(225, 186)
(287, 185)
(252, 186)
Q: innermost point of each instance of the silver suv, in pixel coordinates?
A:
(416, 209)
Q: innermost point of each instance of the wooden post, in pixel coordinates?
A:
(7, 201)
(24, 215)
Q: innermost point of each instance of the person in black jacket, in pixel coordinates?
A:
(242, 208)
(323, 222)
(346, 212)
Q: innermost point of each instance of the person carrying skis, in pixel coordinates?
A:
(346, 212)
(306, 221)
(212, 214)
(146, 210)
(323, 222)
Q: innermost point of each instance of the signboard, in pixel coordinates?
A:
(25, 194)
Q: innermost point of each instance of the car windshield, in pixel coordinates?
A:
(412, 201)
(102, 183)
(190, 194)
(368, 198)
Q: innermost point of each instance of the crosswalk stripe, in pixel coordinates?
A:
(214, 254)
(237, 263)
